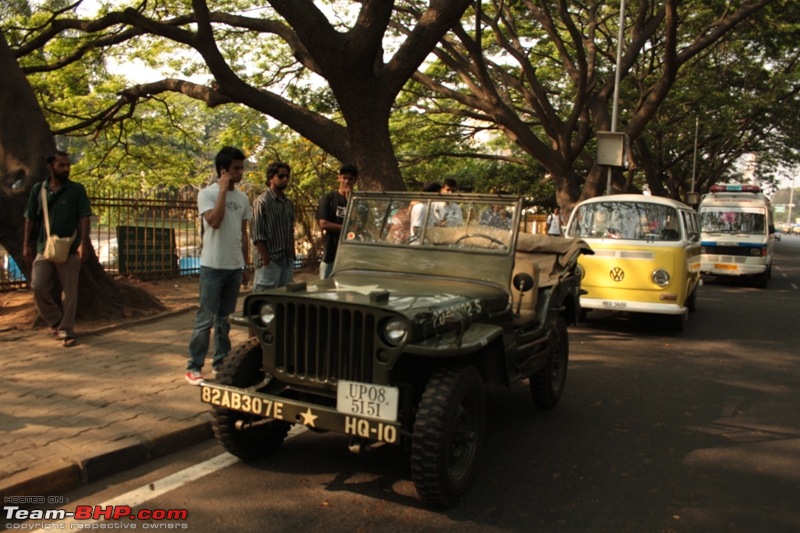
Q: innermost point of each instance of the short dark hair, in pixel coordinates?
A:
(226, 156)
(58, 153)
(348, 169)
(450, 182)
(273, 168)
(432, 186)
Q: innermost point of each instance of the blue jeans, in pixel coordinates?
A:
(325, 270)
(274, 275)
(219, 290)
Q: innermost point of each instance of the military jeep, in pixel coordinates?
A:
(399, 343)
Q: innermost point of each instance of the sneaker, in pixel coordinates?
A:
(194, 377)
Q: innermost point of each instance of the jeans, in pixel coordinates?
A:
(325, 270)
(219, 290)
(274, 275)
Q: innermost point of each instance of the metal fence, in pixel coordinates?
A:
(157, 234)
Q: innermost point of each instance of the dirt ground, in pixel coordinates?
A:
(17, 311)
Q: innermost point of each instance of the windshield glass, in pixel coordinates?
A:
(641, 221)
(727, 220)
(432, 222)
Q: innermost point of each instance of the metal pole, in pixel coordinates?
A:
(791, 201)
(694, 159)
(617, 76)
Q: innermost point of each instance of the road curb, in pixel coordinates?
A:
(63, 476)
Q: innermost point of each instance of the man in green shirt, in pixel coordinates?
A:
(69, 210)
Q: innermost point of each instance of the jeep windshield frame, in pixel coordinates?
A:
(463, 236)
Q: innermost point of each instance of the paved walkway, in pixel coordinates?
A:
(70, 416)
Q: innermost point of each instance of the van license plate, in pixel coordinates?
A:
(365, 399)
(614, 304)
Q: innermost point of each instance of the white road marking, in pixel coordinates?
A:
(155, 489)
(795, 287)
(137, 497)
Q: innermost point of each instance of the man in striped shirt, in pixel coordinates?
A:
(273, 231)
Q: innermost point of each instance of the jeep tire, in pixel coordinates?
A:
(547, 384)
(448, 434)
(243, 368)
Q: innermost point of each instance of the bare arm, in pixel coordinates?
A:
(217, 214)
(85, 245)
(28, 252)
(330, 227)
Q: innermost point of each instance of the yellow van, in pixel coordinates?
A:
(646, 255)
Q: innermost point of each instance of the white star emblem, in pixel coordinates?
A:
(308, 418)
(361, 289)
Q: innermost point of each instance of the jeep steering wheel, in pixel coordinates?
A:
(494, 240)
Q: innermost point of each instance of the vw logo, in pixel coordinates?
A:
(617, 274)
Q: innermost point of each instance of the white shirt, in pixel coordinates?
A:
(222, 247)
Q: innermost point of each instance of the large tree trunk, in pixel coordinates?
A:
(25, 142)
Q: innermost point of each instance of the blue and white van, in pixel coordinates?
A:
(737, 233)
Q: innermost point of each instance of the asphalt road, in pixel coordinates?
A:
(691, 432)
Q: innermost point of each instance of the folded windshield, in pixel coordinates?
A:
(432, 222)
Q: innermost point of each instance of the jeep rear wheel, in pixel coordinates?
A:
(547, 385)
(248, 437)
(448, 434)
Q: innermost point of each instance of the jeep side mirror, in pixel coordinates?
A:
(523, 282)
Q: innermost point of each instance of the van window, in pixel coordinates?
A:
(641, 221)
(733, 220)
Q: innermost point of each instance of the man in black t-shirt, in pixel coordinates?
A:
(330, 213)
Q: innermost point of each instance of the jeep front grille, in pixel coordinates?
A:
(324, 344)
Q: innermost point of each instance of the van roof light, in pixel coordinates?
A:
(735, 188)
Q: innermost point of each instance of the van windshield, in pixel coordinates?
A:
(727, 220)
(641, 221)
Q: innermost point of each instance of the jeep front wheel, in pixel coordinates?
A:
(248, 437)
(448, 434)
(547, 385)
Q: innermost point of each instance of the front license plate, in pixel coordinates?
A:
(365, 399)
(614, 304)
(723, 266)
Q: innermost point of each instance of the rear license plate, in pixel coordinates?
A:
(614, 304)
(723, 266)
(365, 399)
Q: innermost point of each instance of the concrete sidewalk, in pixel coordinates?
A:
(71, 416)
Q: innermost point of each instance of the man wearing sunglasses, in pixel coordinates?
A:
(273, 231)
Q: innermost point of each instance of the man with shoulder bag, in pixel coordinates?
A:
(60, 209)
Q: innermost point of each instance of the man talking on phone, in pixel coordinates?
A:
(225, 212)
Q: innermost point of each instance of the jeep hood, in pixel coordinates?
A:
(410, 295)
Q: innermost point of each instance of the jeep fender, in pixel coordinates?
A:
(474, 339)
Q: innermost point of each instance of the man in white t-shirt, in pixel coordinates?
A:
(225, 212)
(420, 212)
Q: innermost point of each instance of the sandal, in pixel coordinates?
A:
(69, 341)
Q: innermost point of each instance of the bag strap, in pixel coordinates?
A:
(46, 213)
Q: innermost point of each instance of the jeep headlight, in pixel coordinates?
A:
(660, 277)
(395, 332)
(266, 314)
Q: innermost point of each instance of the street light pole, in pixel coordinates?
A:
(617, 76)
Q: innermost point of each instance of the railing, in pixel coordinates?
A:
(155, 234)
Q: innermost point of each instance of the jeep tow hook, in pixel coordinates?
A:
(359, 445)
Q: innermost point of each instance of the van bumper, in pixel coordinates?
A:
(632, 307)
